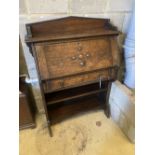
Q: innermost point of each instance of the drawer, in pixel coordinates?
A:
(68, 58)
(78, 80)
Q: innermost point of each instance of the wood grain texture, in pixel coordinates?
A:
(72, 55)
(74, 81)
(42, 64)
(115, 51)
(42, 92)
(69, 27)
(74, 93)
(67, 109)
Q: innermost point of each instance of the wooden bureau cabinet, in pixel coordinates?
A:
(77, 59)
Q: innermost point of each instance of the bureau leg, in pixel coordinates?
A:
(49, 129)
(101, 99)
(107, 105)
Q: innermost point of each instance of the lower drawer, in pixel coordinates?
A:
(77, 80)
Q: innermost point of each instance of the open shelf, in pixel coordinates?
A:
(64, 110)
(74, 93)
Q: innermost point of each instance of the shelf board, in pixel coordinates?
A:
(65, 110)
(76, 96)
(73, 93)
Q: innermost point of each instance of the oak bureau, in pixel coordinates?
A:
(77, 60)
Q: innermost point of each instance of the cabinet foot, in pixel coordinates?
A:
(49, 129)
(107, 105)
(107, 111)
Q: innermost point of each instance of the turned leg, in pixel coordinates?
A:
(49, 129)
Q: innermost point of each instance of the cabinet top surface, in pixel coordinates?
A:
(69, 28)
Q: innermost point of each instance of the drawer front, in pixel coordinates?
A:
(68, 58)
(78, 80)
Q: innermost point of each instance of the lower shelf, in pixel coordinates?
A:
(74, 93)
(63, 110)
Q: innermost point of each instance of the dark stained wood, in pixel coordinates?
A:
(70, 58)
(66, 109)
(26, 110)
(77, 59)
(74, 93)
(42, 65)
(25, 115)
(78, 80)
(115, 51)
(69, 27)
(75, 96)
(107, 105)
(42, 92)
